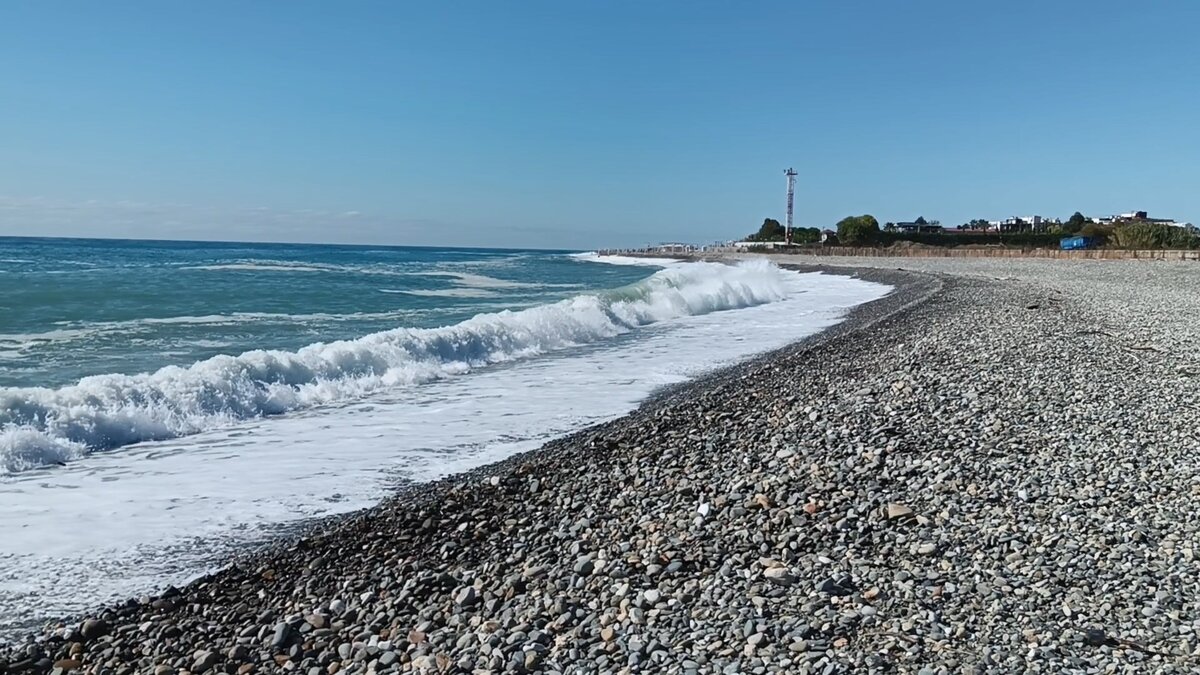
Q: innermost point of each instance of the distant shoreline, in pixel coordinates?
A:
(909, 252)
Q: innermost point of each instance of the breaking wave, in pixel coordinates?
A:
(40, 426)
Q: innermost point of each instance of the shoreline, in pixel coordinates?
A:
(595, 547)
(905, 285)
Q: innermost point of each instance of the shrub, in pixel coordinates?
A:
(858, 230)
(1152, 236)
(805, 235)
(771, 230)
(952, 239)
(1099, 234)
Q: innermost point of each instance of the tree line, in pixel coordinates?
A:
(771, 230)
(852, 231)
(864, 230)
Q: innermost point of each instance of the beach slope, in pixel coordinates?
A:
(993, 468)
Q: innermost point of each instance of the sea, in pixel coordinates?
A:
(165, 406)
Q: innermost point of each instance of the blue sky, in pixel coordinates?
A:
(581, 124)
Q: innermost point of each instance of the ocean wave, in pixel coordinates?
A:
(482, 282)
(40, 426)
(26, 340)
(479, 280)
(593, 256)
(273, 265)
(263, 267)
(76, 331)
(468, 280)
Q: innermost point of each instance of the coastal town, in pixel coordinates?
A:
(1133, 230)
(1034, 223)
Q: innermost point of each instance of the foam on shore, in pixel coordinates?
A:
(40, 426)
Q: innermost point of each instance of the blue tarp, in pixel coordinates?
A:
(1075, 243)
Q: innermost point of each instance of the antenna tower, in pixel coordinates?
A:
(791, 182)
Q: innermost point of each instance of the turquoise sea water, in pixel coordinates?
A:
(73, 307)
(106, 344)
(166, 405)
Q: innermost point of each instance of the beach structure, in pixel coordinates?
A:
(1075, 243)
(915, 227)
(672, 247)
(791, 193)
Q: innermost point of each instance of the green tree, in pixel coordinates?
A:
(858, 230)
(1142, 235)
(1095, 232)
(920, 220)
(805, 235)
(771, 230)
(1075, 223)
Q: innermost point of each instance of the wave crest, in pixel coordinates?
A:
(40, 426)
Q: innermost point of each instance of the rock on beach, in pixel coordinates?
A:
(985, 471)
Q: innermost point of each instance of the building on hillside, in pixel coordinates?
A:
(1139, 217)
(746, 245)
(673, 247)
(917, 226)
(1024, 224)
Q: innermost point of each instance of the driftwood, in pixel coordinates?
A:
(1133, 347)
(1146, 348)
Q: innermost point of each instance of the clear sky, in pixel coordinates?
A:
(581, 123)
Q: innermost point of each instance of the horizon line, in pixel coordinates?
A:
(287, 243)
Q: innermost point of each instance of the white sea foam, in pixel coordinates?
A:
(41, 425)
(482, 282)
(466, 279)
(592, 256)
(478, 280)
(21, 340)
(261, 267)
(445, 292)
(81, 331)
(271, 265)
(243, 317)
(208, 344)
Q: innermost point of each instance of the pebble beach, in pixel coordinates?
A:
(994, 469)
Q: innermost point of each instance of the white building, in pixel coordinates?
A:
(1139, 217)
(745, 245)
(1021, 223)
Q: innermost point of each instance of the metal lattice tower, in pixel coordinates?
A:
(791, 182)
